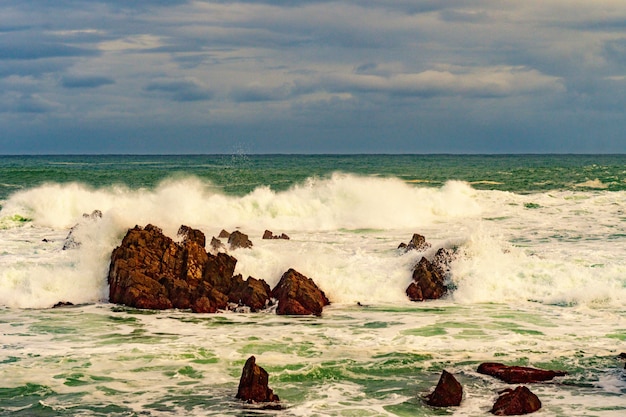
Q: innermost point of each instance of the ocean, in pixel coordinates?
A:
(539, 280)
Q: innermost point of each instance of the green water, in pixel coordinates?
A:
(239, 174)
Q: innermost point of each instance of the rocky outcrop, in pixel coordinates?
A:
(239, 240)
(430, 274)
(517, 374)
(253, 384)
(447, 393)
(298, 295)
(417, 242)
(270, 235)
(150, 270)
(428, 282)
(516, 402)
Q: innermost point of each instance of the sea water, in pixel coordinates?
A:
(539, 280)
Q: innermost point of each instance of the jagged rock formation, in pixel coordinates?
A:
(447, 393)
(428, 282)
(150, 270)
(270, 235)
(298, 295)
(253, 384)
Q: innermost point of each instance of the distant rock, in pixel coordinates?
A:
(150, 270)
(223, 234)
(428, 282)
(447, 393)
(253, 385)
(517, 374)
(62, 304)
(239, 240)
(417, 242)
(270, 235)
(299, 295)
(516, 402)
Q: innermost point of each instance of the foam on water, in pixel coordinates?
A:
(546, 247)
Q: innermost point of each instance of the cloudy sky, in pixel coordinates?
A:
(296, 76)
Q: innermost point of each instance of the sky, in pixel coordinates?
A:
(281, 76)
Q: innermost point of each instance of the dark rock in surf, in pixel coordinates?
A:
(270, 235)
(447, 393)
(417, 242)
(516, 402)
(428, 282)
(223, 234)
(150, 270)
(299, 295)
(62, 304)
(239, 240)
(253, 384)
(517, 374)
(216, 244)
(70, 240)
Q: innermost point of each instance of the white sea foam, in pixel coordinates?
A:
(561, 247)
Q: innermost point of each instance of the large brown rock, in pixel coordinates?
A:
(428, 282)
(150, 270)
(299, 295)
(516, 402)
(253, 384)
(517, 374)
(447, 393)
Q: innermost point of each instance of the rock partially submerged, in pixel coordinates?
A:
(270, 235)
(70, 241)
(150, 270)
(429, 275)
(253, 385)
(447, 393)
(516, 402)
(517, 374)
(428, 282)
(417, 242)
(298, 295)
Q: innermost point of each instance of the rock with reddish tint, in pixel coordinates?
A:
(516, 402)
(417, 242)
(428, 282)
(299, 295)
(517, 374)
(270, 235)
(239, 240)
(447, 393)
(253, 385)
(149, 270)
(254, 293)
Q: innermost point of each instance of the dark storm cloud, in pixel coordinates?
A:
(343, 75)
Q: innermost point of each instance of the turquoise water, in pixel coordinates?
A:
(240, 174)
(540, 280)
